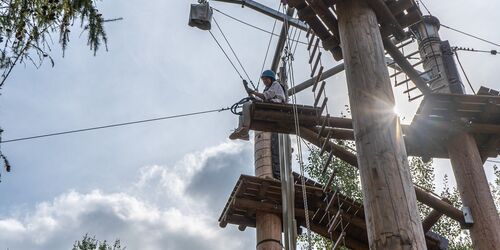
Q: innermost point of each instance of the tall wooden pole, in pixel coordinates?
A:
(268, 226)
(462, 148)
(389, 199)
(474, 191)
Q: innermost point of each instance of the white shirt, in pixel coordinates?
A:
(275, 93)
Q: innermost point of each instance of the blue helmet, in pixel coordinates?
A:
(270, 74)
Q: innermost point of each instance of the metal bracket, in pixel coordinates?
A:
(469, 221)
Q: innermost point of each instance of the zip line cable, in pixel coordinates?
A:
(114, 125)
(465, 74)
(425, 7)
(227, 56)
(459, 31)
(234, 53)
(492, 52)
(470, 35)
(252, 26)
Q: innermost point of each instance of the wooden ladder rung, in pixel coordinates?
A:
(330, 202)
(311, 40)
(328, 161)
(323, 106)
(320, 92)
(308, 32)
(399, 72)
(315, 66)
(323, 125)
(330, 180)
(407, 80)
(406, 56)
(336, 220)
(315, 49)
(316, 214)
(341, 237)
(327, 139)
(409, 90)
(416, 97)
(318, 78)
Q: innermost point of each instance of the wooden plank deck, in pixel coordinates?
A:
(441, 115)
(252, 194)
(394, 18)
(437, 118)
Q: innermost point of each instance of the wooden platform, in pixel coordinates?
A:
(441, 115)
(437, 118)
(394, 17)
(252, 194)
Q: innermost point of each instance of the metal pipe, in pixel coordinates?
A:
(326, 74)
(268, 12)
(282, 41)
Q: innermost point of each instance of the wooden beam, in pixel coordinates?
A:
(337, 133)
(431, 220)
(433, 217)
(237, 220)
(266, 206)
(386, 18)
(440, 206)
(490, 148)
(398, 7)
(326, 16)
(326, 74)
(483, 128)
(337, 150)
(421, 195)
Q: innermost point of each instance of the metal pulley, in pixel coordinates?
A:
(200, 16)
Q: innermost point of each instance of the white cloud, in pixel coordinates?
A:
(155, 213)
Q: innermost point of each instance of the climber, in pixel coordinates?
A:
(273, 92)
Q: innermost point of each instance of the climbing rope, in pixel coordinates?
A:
(239, 104)
(289, 59)
(312, 38)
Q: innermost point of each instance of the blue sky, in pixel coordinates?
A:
(160, 185)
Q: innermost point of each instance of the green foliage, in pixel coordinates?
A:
(91, 243)
(458, 239)
(317, 242)
(3, 158)
(346, 176)
(26, 27)
(346, 181)
(495, 187)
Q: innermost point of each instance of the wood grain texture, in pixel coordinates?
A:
(268, 225)
(390, 204)
(474, 191)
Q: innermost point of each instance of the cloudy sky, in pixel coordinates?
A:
(160, 185)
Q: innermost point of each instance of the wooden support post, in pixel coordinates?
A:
(268, 225)
(462, 148)
(389, 199)
(474, 191)
(431, 220)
